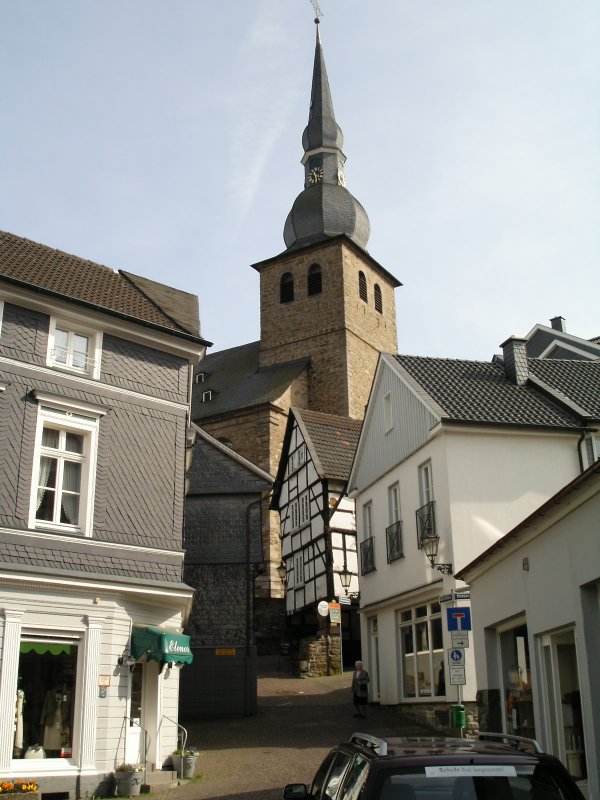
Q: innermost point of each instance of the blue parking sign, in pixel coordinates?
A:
(459, 619)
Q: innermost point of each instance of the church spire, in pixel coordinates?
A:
(325, 208)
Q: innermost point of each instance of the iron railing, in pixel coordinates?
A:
(367, 556)
(393, 535)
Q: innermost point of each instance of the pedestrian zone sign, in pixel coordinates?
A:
(459, 619)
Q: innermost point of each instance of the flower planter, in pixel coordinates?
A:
(184, 766)
(128, 783)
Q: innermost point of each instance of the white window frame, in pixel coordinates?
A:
(426, 483)
(394, 502)
(388, 419)
(94, 357)
(304, 501)
(299, 577)
(77, 417)
(294, 511)
(367, 520)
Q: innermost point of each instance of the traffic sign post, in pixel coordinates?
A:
(459, 619)
(459, 639)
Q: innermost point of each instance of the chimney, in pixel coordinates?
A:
(558, 323)
(515, 360)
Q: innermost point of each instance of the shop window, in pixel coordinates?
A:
(362, 287)
(514, 647)
(64, 465)
(421, 646)
(286, 288)
(45, 696)
(315, 279)
(74, 349)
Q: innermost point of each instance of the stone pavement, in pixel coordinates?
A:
(297, 723)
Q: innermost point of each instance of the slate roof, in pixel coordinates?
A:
(478, 392)
(579, 381)
(332, 441)
(54, 272)
(235, 381)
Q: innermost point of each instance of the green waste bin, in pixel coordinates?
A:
(457, 716)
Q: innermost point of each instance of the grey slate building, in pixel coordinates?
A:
(223, 558)
(95, 369)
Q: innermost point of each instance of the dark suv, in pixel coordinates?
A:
(491, 767)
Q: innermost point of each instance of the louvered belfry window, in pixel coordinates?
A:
(362, 287)
(286, 288)
(378, 298)
(315, 279)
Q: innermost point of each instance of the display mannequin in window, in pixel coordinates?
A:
(55, 719)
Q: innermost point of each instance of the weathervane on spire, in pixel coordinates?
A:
(317, 8)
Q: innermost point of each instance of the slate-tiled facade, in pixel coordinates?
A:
(94, 413)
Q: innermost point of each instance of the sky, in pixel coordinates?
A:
(163, 137)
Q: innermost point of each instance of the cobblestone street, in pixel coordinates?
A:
(298, 721)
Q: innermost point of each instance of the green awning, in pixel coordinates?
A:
(44, 647)
(158, 644)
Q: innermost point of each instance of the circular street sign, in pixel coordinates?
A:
(323, 608)
(457, 656)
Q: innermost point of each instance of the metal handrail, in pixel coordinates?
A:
(183, 740)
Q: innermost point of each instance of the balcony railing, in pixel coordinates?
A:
(367, 556)
(394, 541)
(71, 359)
(425, 523)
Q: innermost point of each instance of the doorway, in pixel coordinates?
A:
(562, 698)
(134, 743)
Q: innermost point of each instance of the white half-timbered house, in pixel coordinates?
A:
(318, 531)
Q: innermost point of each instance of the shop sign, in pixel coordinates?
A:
(225, 651)
(335, 612)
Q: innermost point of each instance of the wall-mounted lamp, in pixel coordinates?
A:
(430, 544)
(345, 579)
(126, 660)
(282, 572)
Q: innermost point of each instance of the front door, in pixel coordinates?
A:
(135, 734)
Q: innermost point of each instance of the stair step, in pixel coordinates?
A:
(158, 779)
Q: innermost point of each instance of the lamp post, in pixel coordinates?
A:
(282, 572)
(430, 545)
(345, 579)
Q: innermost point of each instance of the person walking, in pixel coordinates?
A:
(360, 689)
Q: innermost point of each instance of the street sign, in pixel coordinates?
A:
(459, 619)
(446, 598)
(466, 595)
(323, 608)
(335, 612)
(459, 639)
(457, 675)
(456, 656)
(345, 600)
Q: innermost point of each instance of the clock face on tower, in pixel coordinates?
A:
(315, 175)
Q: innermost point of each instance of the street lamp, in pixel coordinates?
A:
(282, 572)
(430, 545)
(345, 579)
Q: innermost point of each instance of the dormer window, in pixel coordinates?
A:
(74, 349)
(286, 288)
(315, 280)
(378, 298)
(362, 287)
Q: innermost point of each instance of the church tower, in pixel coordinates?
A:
(325, 298)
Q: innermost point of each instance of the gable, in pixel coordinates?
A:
(216, 471)
(382, 447)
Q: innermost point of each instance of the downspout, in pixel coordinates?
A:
(579, 453)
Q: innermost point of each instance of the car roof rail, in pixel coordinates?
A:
(516, 741)
(379, 746)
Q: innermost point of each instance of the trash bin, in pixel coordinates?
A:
(457, 716)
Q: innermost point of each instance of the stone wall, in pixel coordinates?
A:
(318, 655)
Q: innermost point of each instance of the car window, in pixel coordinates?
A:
(334, 776)
(355, 778)
(509, 783)
(329, 774)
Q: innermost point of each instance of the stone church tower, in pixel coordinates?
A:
(326, 311)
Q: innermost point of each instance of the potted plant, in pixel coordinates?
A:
(184, 761)
(129, 779)
(18, 786)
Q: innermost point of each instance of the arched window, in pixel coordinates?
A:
(378, 298)
(362, 287)
(286, 288)
(315, 279)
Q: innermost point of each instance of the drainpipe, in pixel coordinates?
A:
(579, 453)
